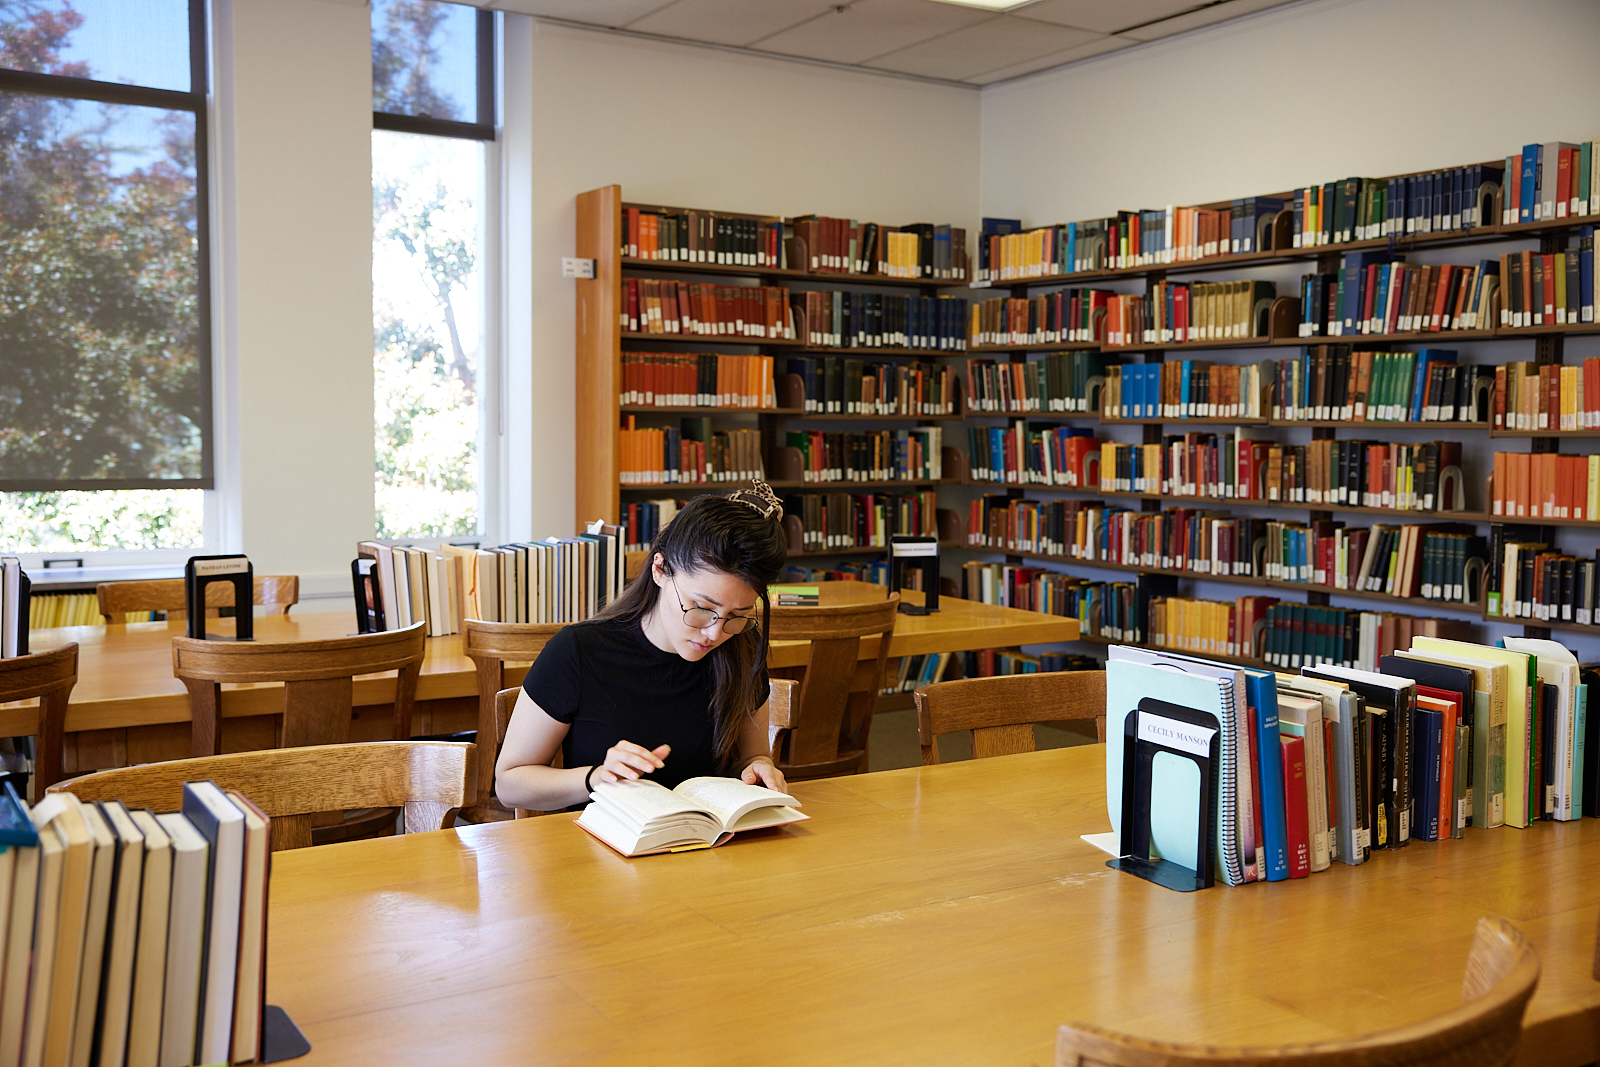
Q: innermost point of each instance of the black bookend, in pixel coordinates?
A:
(281, 1039)
(920, 554)
(24, 596)
(369, 598)
(1158, 727)
(200, 572)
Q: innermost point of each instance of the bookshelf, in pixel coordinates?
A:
(601, 342)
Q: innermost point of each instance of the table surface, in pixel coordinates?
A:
(936, 915)
(125, 671)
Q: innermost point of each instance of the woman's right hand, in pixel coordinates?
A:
(626, 761)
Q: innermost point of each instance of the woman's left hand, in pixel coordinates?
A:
(762, 771)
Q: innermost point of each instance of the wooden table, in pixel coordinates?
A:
(125, 673)
(933, 915)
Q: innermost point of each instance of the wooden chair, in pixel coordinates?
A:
(317, 676)
(1502, 971)
(827, 727)
(49, 676)
(1001, 711)
(276, 592)
(490, 646)
(429, 779)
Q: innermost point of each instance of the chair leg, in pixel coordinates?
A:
(205, 714)
(47, 767)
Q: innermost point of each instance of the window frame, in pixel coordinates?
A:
(195, 102)
(470, 131)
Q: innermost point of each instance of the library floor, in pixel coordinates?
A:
(894, 740)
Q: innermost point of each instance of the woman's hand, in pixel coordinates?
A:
(626, 760)
(762, 771)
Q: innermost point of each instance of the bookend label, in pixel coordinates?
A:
(1159, 727)
(920, 554)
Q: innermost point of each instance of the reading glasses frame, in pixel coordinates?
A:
(731, 624)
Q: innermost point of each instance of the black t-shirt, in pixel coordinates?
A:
(609, 683)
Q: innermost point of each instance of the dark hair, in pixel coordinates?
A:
(725, 534)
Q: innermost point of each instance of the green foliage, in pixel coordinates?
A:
(403, 56)
(101, 521)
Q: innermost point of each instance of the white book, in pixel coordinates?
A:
(186, 925)
(221, 822)
(122, 936)
(639, 817)
(249, 999)
(150, 953)
(103, 859)
(19, 950)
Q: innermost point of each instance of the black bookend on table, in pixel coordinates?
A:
(199, 573)
(1156, 728)
(369, 596)
(920, 555)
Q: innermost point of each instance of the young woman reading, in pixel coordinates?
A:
(668, 681)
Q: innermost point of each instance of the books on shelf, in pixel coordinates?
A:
(1546, 485)
(1374, 294)
(1535, 396)
(836, 385)
(1185, 312)
(844, 319)
(1067, 316)
(671, 379)
(1529, 579)
(1551, 181)
(643, 519)
(691, 452)
(915, 671)
(846, 246)
(685, 236)
(873, 456)
(1338, 383)
(1056, 381)
(15, 608)
(661, 306)
(1549, 288)
(147, 934)
(826, 521)
(638, 818)
(1183, 389)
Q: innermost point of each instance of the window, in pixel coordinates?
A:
(433, 118)
(105, 393)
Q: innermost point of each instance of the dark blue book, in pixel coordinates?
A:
(1426, 765)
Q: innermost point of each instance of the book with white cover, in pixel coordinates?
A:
(150, 954)
(249, 1002)
(59, 1020)
(222, 823)
(122, 936)
(640, 817)
(103, 858)
(186, 927)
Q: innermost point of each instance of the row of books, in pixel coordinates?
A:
(134, 938)
(873, 456)
(915, 671)
(841, 319)
(15, 609)
(1181, 312)
(50, 610)
(642, 520)
(707, 380)
(1551, 288)
(689, 453)
(1065, 316)
(1370, 209)
(860, 520)
(702, 237)
(1341, 384)
(1056, 381)
(1535, 396)
(1372, 293)
(874, 570)
(997, 662)
(846, 246)
(660, 306)
(1532, 580)
(836, 385)
(1551, 181)
(1189, 388)
(1546, 485)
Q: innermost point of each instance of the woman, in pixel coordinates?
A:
(666, 682)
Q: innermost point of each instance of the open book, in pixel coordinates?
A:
(637, 818)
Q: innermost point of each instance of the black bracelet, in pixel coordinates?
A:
(587, 788)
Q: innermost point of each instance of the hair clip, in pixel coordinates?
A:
(760, 497)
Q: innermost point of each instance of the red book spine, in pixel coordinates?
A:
(1255, 792)
(1293, 752)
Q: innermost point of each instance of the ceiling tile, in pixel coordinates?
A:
(984, 46)
(735, 22)
(612, 13)
(869, 28)
(1209, 16)
(1104, 16)
(1054, 59)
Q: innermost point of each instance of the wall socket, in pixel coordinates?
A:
(576, 268)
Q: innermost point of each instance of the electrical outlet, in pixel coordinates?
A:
(576, 268)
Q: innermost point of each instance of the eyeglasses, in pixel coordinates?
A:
(698, 618)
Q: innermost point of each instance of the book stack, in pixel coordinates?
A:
(833, 385)
(1545, 485)
(845, 246)
(672, 236)
(874, 456)
(15, 610)
(47, 610)
(795, 596)
(1065, 316)
(133, 937)
(660, 306)
(1021, 454)
(690, 453)
(1181, 312)
(643, 519)
(915, 671)
(550, 581)
(872, 571)
(842, 319)
(1535, 396)
(861, 520)
(1551, 288)
(1057, 381)
(1184, 389)
(1530, 580)
(1372, 294)
(671, 379)
(1551, 181)
(1336, 383)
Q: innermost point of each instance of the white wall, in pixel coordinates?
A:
(701, 128)
(294, 309)
(1290, 98)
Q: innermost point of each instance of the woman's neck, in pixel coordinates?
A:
(654, 627)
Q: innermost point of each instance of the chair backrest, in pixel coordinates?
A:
(1502, 971)
(49, 676)
(829, 722)
(276, 592)
(490, 646)
(317, 676)
(1001, 711)
(430, 779)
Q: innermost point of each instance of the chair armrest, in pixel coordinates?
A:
(780, 702)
